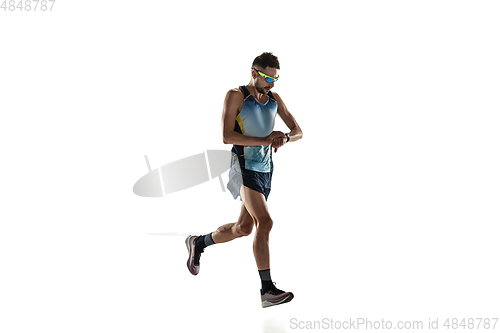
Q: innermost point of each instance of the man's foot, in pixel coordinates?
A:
(193, 262)
(275, 296)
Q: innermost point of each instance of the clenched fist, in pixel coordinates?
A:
(277, 139)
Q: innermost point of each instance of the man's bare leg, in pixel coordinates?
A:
(230, 231)
(225, 233)
(256, 206)
(260, 217)
(253, 211)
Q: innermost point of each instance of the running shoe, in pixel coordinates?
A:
(275, 296)
(193, 262)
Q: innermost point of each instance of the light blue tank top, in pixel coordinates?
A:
(255, 119)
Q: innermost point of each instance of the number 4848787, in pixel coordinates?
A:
(27, 5)
(471, 323)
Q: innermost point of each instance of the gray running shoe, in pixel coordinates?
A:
(193, 262)
(275, 297)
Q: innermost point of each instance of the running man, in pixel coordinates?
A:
(247, 123)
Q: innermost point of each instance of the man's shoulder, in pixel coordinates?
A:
(275, 94)
(235, 93)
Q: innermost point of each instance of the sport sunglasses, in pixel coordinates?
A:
(268, 78)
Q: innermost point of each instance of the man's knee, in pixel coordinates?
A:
(244, 229)
(264, 224)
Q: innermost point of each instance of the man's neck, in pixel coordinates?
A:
(251, 88)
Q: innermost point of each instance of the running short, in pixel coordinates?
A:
(258, 181)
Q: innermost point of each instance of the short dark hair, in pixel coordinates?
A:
(266, 59)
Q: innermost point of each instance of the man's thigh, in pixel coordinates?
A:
(255, 204)
(245, 219)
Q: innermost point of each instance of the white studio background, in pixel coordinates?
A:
(388, 207)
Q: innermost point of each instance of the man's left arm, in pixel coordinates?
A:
(295, 131)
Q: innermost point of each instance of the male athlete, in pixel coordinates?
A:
(247, 123)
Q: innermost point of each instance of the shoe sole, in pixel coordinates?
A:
(266, 304)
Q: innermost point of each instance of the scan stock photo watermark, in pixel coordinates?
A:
(181, 175)
(384, 324)
(27, 5)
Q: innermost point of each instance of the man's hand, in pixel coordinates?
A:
(275, 134)
(278, 139)
(277, 143)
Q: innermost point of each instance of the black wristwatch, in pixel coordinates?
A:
(287, 137)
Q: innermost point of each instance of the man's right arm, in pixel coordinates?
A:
(232, 102)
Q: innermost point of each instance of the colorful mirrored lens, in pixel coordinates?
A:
(266, 77)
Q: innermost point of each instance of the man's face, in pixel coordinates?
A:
(261, 84)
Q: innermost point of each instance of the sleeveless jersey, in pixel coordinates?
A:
(255, 119)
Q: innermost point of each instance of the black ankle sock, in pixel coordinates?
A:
(204, 241)
(265, 278)
(267, 285)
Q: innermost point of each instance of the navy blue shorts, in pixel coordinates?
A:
(258, 181)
